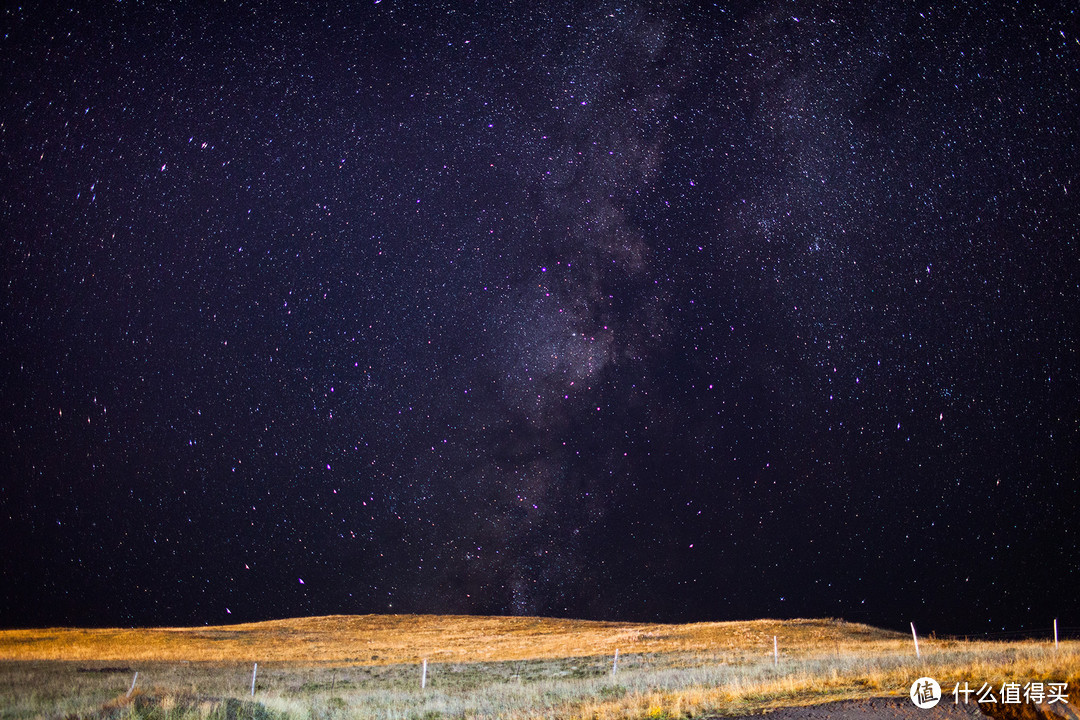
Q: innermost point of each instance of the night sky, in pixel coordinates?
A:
(588, 309)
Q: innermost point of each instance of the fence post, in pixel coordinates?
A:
(1055, 634)
(916, 639)
(615, 664)
(136, 678)
(775, 652)
(423, 675)
(254, 672)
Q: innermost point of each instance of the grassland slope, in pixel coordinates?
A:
(388, 639)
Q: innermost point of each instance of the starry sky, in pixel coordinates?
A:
(613, 310)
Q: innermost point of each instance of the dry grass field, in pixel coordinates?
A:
(388, 639)
(486, 667)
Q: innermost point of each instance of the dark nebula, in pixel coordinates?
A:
(601, 310)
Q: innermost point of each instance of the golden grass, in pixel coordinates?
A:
(484, 668)
(857, 675)
(386, 639)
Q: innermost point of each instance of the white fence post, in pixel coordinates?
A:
(1055, 634)
(615, 664)
(254, 672)
(423, 675)
(775, 652)
(136, 678)
(916, 639)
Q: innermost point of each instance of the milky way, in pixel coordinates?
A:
(606, 310)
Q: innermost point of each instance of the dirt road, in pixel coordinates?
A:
(872, 709)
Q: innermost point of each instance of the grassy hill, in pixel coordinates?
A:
(512, 668)
(388, 639)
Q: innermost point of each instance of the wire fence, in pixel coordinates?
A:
(1064, 632)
